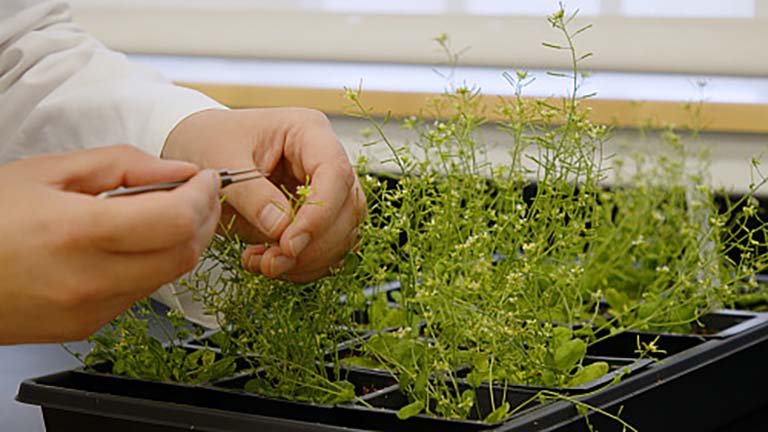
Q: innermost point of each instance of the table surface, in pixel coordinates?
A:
(20, 362)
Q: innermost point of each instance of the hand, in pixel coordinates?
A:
(72, 262)
(293, 145)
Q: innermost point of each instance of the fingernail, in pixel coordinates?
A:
(213, 177)
(254, 263)
(281, 264)
(270, 218)
(251, 258)
(298, 242)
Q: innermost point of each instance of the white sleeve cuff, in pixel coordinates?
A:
(168, 112)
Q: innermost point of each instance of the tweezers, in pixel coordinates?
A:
(227, 178)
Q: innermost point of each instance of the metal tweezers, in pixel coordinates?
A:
(227, 178)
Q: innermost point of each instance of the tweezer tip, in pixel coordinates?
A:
(242, 171)
(242, 179)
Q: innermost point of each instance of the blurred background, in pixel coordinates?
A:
(651, 59)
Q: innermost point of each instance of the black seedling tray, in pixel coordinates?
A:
(714, 325)
(118, 403)
(704, 382)
(384, 404)
(704, 388)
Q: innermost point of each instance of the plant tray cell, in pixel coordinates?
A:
(724, 323)
(705, 380)
(617, 366)
(364, 383)
(77, 401)
(715, 325)
(704, 388)
(385, 404)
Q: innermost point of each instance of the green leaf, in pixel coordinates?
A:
(616, 300)
(363, 361)
(209, 357)
(548, 378)
(256, 385)
(569, 354)
(586, 331)
(192, 359)
(560, 335)
(345, 392)
(220, 339)
(498, 414)
(647, 309)
(410, 410)
(396, 296)
(475, 378)
(588, 373)
(420, 383)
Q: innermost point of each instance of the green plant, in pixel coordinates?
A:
(496, 270)
(126, 347)
(287, 331)
(507, 273)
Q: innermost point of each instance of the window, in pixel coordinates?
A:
(689, 36)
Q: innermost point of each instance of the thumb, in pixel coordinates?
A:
(94, 171)
(263, 205)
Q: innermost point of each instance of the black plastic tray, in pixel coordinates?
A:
(705, 388)
(710, 384)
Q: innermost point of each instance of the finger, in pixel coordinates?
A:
(137, 275)
(268, 261)
(302, 277)
(307, 277)
(251, 257)
(332, 185)
(74, 325)
(156, 220)
(263, 205)
(327, 257)
(96, 170)
(274, 263)
(236, 222)
(78, 326)
(333, 243)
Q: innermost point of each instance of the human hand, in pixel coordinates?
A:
(292, 144)
(72, 262)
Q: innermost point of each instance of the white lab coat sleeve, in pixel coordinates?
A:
(62, 90)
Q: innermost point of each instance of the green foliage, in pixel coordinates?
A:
(498, 262)
(410, 410)
(589, 373)
(127, 348)
(508, 272)
(383, 316)
(317, 390)
(288, 331)
(498, 414)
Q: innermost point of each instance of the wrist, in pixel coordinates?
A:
(193, 130)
